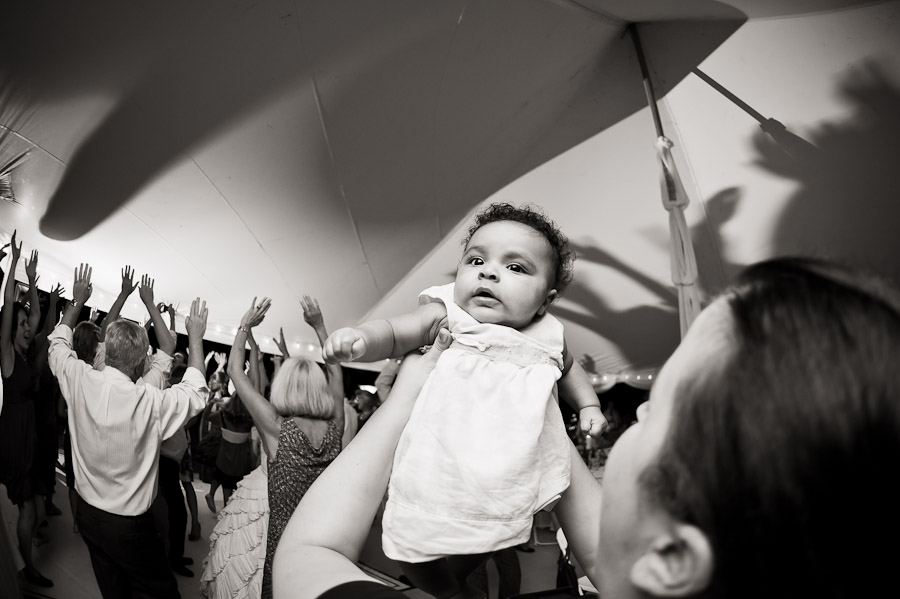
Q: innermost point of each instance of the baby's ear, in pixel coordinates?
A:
(551, 297)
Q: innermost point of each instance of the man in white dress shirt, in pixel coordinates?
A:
(116, 428)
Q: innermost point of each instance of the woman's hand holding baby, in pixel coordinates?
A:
(344, 345)
(592, 421)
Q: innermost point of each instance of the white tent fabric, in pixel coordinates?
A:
(338, 148)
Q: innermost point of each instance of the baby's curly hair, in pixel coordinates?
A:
(535, 218)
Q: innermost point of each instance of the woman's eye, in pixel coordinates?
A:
(515, 268)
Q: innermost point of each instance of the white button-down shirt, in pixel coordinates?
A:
(117, 426)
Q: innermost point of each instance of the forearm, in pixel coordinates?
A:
(263, 413)
(579, 512)
(34, 301)
(379, 338)
(575, 388)
(165, 340)
(51, 313)
(70, 316)
(253, 371)
(195, 360)
(113, 313)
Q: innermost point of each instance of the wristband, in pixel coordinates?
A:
(590, 406)
(244, 328)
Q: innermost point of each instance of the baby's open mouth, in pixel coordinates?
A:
(484, 293)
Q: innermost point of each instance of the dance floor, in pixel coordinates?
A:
(64, 559)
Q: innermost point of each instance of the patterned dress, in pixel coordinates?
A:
(296, 466)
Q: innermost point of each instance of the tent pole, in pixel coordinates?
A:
(721, 89)
(645, 74)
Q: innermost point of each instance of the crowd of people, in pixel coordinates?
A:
(142, 419)
(759, 466)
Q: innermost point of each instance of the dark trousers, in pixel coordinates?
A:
(170, 489)
(127, 555)
(509, 570)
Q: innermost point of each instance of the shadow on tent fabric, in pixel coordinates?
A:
(847, 207)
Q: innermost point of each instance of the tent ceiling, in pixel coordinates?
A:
(322, 147)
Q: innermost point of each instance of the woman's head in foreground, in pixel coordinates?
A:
(301, 389)
(762, 465)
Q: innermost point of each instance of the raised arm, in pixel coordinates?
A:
(380, 339)
(576, 389)
(7, 349)
(579, 512)
(52, 303)
(312, 314)
(253, 370)
(81, 292)
(128, 287)
(324, 537)
(264, 415)
(34, 302)
(163, 338)
(40, 340)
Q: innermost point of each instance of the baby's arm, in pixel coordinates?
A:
(380, 339)
(576, 389)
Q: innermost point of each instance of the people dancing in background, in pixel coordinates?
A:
(116, 429)
(486, 447)
(237, 545)
(21, 363)
(301, 427)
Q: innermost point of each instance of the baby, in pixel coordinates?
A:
(485, 447)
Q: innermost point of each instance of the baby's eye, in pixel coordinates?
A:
(475, 261)
(516, 268)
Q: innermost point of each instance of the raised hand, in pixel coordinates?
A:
(146, 290)
(82, 288)
(31, 267)
(95, 313)
(16, 250)
(311, 312)
(256, 314)
(128, 284)
(161, 307)
(343, 345)
(195, 322)
(221, 359)
(57, 292)
(282, 346)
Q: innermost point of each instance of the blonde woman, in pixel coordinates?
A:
(301, 426)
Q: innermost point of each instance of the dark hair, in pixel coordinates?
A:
(784, 453)
(236, 415)
(533, 217)
(218, 381)
(177, 374)
(18, 307)
(85, 339)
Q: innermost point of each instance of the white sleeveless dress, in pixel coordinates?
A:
(485, 447)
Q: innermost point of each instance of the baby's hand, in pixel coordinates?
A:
(592, 421)
(343, 345)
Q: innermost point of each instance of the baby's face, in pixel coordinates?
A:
(505, 275)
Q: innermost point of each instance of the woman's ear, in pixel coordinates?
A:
(551, 295)
(679, 564)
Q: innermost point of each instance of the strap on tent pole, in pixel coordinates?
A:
(645, 73)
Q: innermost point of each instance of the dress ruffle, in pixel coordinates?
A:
(237, 545)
